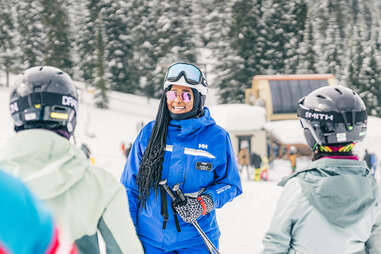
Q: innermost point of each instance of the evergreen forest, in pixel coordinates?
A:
(127, 46)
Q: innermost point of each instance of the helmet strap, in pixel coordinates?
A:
(336, 148)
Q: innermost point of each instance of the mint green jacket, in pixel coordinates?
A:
(333, 207)
(83, 198)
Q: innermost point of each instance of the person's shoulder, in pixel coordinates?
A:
(293, 191)
(147, 128)
(11, 186)
(217, 129)
(103, 179)
(102, 173)
(293, 183)
(149, 125)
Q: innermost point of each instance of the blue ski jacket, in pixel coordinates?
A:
(199, 156)
(26, 225)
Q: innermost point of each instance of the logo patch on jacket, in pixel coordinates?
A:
(204, 165)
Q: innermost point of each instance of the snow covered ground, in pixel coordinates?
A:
(243, 222)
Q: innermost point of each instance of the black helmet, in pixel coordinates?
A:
(45, 98)
(332, 115)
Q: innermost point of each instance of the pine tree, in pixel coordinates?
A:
(142, 23)
(87, 42)
(118, 48)
(367, 80)
(295, 27)
(307, 53)
(238, 60)
(91, 49)
(30, 28)
(57, 29)
(370, 83)
(162, 36)
(8, 50)
(284, 28)
(101, 99)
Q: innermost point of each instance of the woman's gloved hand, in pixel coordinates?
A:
(192, 208)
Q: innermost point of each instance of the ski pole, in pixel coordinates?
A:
(164, 184)
(212, 249)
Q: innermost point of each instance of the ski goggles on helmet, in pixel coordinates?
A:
(185, 74)
(185, 96)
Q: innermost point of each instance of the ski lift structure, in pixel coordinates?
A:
(279, 96)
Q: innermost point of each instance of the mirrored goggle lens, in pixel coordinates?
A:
(185, 96)
(191, 73)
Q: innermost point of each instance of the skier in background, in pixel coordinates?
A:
(26, 226)
(126, 150)
(184, 146)
(86, 150)
(333, 206)
(373, 163)
(367, 158)
(84, 199)
(244, 159)
(256, 163)
(292, 158)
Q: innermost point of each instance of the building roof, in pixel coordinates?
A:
(239, 117)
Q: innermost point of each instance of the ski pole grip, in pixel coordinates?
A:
(179, 193)
(164, 184)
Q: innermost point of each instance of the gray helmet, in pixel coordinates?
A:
(332, 115)
(45, 98)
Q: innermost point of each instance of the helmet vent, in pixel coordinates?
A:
(60, 73)
(338, 90)
(58, 108)
(321, 96)
(41, 68)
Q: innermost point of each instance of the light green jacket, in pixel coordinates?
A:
(333, 207)
(84, 199)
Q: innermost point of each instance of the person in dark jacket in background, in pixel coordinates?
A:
(367, 158)
(332, 206)
(182, 146)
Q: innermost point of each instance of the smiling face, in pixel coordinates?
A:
(180, 99)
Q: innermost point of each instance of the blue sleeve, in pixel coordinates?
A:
(227, 180)
(129, 174)
(24, 217)
(47, 241)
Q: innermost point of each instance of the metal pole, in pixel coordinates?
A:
(209, 244)
(211, 248)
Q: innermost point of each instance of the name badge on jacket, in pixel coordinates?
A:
(204, 165)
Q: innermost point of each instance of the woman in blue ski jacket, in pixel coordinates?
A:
(332, 206)
(183, 147)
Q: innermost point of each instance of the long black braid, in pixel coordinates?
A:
(149, 174)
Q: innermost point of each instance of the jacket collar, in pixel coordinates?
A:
(191, 125)
(47, 162)
(328, 166)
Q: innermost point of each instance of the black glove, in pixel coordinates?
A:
(192, 208)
